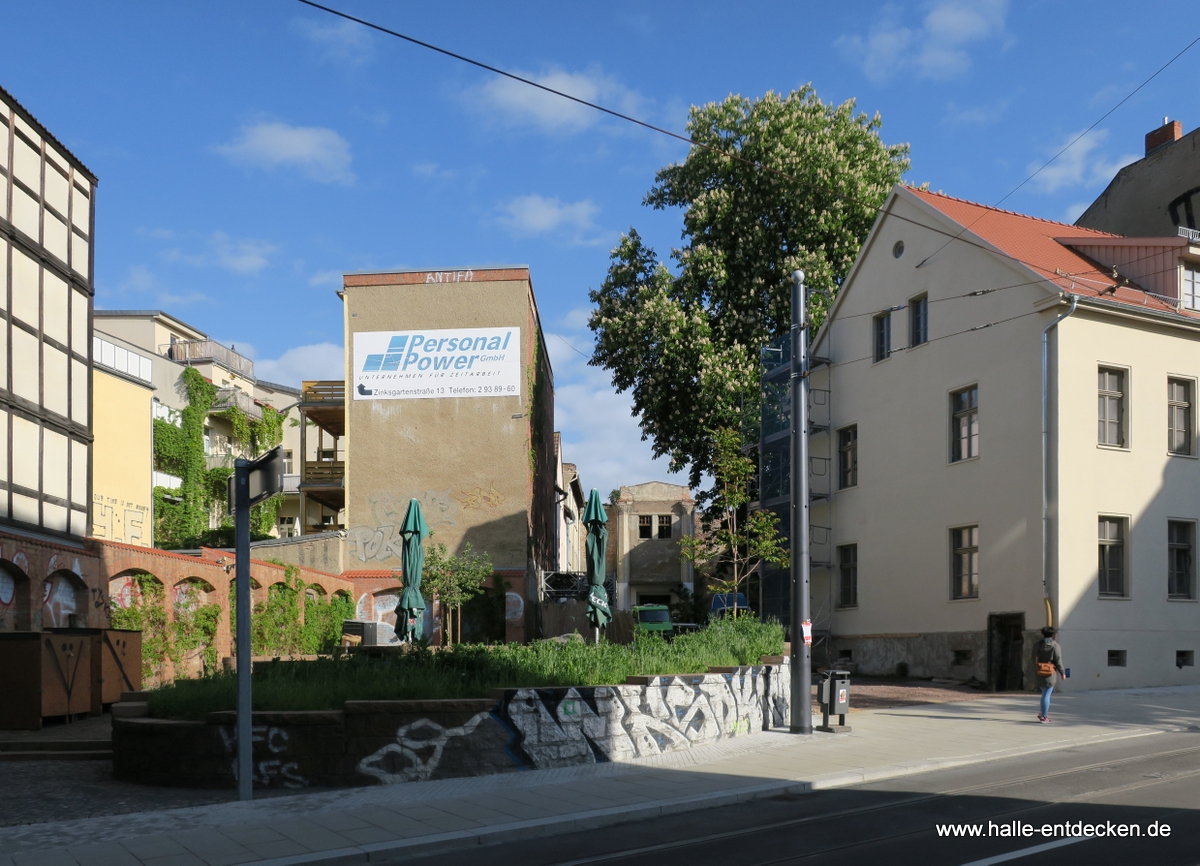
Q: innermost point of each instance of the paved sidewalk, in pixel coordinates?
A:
(385, 823)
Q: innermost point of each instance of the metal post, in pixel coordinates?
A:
(245, 718)
(801, 657)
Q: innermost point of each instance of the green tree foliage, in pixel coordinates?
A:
(455, 580)
(687, 345)
(733, 540)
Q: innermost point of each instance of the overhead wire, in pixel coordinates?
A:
(877, 208)
(1069, 145)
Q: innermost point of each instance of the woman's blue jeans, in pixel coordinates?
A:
(1046, 692)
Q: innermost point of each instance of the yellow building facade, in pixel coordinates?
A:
(123, 458)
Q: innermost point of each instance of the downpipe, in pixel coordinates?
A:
(1046, 458)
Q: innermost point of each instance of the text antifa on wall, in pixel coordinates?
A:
(442, 353)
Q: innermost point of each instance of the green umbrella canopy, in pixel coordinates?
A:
(414, 530)
(595, 518)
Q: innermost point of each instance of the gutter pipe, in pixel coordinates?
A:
(1046, 459)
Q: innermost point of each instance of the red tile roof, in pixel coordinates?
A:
(1031, 241)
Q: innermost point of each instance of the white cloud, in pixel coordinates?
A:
(599, 434)
(515, 103)
(326, 278)
(316, 361)
(1075, 211)
(979, 115)
(341, 41)
(936, 50)
(529, 215)
(1082, 164)
(319, 154)
(241, 256)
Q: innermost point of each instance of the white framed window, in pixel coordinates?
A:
(1112, 562)
(881, 332)
(1179, 416)
(1181, 543)
(1111, 407)
(1191, 286)
(964, 569)
(848, 457)
(964, 424)
(918, 320)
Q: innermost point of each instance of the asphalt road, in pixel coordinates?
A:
(1147, 781)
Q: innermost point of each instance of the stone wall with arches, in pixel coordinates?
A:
(48, 585)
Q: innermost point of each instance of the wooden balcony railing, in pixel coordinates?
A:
(328, 391)
(328, 473)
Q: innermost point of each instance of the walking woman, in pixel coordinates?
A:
(1047, 662)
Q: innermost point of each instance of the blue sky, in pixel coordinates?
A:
(248, 153)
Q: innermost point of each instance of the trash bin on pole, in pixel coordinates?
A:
(834, 697)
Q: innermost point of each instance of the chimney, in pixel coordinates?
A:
(1170, 131)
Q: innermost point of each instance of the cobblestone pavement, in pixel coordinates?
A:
(33, 792)
(99, 728)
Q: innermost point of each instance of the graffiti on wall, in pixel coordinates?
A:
(382, 541)
(61, 593)
(274, 772)
(118, 520)
(548, 728)
(478, 497)
(10, 587)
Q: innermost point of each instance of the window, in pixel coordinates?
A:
(1191, 286)
(1179, 416)
(1112, 557)
(845, 655)
(287, 462)
(881, 327)
(326, 455)
(963, 657)
(287, 527)
(1185, 658)
(664, 526)
(918, 321)
(848, 457)
(964, 424)
(1116, 658)
(848, 575)
(645, 526)
(1180, 583)
(965, 551)
(1112, 407)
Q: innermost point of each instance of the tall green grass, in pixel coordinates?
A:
(470, 671)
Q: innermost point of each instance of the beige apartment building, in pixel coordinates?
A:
(927, 447)
(645, 525)
(153, 348)
(450, 400)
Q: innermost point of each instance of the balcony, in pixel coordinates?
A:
(200, 351)
(324, 403)
(325, 473)
(167, 480)
(291, 483)
(229, 398)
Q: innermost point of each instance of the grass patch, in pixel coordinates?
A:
(470, 671)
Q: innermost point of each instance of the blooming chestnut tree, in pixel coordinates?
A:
(686, 344)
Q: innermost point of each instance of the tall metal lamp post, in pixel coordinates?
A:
(801, 655)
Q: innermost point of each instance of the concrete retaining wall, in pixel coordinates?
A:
(389, 742)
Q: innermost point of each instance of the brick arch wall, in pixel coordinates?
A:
(172, 568)
(38, 560)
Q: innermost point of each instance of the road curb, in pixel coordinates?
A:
(382, 852)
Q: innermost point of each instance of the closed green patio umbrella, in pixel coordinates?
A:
(412, 605)
(595, 519)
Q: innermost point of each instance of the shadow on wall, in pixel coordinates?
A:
(504, 538)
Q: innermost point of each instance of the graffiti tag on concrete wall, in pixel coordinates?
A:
(119, 520)
(547, 728)
(275, 772)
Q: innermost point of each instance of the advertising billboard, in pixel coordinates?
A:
(455, 362)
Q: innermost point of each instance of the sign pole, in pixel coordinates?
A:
(245, 716)
(801, 655)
